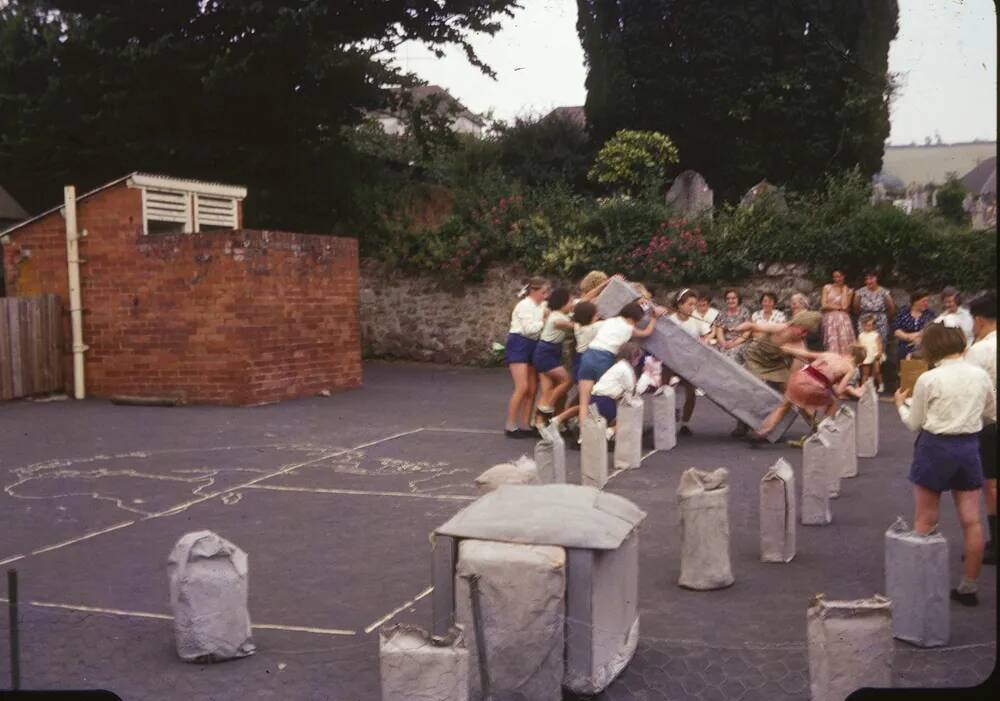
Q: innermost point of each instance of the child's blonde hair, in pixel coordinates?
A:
(858, 353)
(592, 280)
(867, 318)
(630, 351)
(641, 289)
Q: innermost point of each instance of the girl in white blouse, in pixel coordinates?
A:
(948, 406)
(526, 322)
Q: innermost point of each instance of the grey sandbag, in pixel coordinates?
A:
(615, 295)
(522, 603)
(816, 481)
(664, 402)
(850, 646)
(594, 450)
(521, 471)
(829, 450)
(845, 420)
(550, 455)
(208, 597)
(725, 382)
(704, 507)
(916, 581)
(628, 436)
(602, 614)
(777, 513)
(866, 421)
(416, 666)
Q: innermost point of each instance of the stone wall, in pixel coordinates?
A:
(419, 318)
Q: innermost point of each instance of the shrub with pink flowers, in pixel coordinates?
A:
(676, 252)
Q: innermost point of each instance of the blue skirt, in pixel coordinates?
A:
(547, 356)
(607, 406)
(942, 463)
(595, 363)
(519, 349)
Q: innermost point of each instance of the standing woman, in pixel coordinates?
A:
(909, 324)
(948, 407)
(835, 300)
(874, 300)
(526, 322)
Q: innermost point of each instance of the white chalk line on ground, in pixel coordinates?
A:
(447, 429)
(360, 492)
(183, 507)
(15, 558)
(80, 608)
(398, 609)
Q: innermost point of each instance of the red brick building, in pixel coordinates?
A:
(180, 301)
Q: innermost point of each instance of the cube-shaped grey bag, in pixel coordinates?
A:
(916, 580)
(777, 513)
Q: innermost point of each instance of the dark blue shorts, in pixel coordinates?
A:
(942, 463)
(547, 356)
(595, 363)
(519, 349)
(606, 405)
(988, 450)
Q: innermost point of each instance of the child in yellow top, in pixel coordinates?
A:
(871, 341)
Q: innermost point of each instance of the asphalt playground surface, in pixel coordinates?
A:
(334, 498)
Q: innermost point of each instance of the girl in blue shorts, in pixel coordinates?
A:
(547, 357)
(526, 322)
(947, 408)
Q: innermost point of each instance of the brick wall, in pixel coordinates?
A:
(232, 317)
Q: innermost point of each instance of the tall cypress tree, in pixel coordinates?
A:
(746, 89)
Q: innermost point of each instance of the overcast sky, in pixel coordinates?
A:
(944, 54)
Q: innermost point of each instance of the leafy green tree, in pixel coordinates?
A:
(234, 90)
(949, 201)
(784, 89)
(545, 151)
(635, 162)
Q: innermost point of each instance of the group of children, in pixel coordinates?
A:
(609, 363)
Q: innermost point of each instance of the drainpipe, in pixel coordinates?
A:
(75, 305)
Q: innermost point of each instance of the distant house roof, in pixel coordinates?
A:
(922, 165)
(146, 180)
(446, 103)
(889, 181)
(982, 180)
(570, 113)
(10, 210)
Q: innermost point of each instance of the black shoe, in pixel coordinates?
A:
(685, 431)
(989, 555)
(530, 432)
(969, 599)
(518, 433)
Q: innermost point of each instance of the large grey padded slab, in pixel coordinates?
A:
(850, 646)
(566, 515)
(727, 383)
(916, 580)
(415, 666)
(523, 605)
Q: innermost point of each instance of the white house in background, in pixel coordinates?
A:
(463, 121)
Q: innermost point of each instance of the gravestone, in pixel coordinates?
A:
(690, 196)
(764, 194)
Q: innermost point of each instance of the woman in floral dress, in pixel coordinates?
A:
(838, 333)
(875, 300)
(732, 343)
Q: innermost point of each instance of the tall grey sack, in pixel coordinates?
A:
(777, 513)
(414, 665)
(844, 418)
(522, 594)
(664, 418)
(916, 580)
(816, 481)
(208, 597)
(594, 450)
(704, 507)
(866, 421)
(550, 455)
(628, 437)
(850, 646)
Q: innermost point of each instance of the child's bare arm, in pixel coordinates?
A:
(565, 325)
(645, 332)
(799, 353)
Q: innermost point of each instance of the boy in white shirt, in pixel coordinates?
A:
(983, 353)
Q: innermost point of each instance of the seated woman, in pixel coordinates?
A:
(816, 386)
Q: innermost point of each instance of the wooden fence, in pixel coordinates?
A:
(31, 346)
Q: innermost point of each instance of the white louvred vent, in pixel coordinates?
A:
(166, 206)
(215, 212)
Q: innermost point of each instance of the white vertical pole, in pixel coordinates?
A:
(75, 303)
